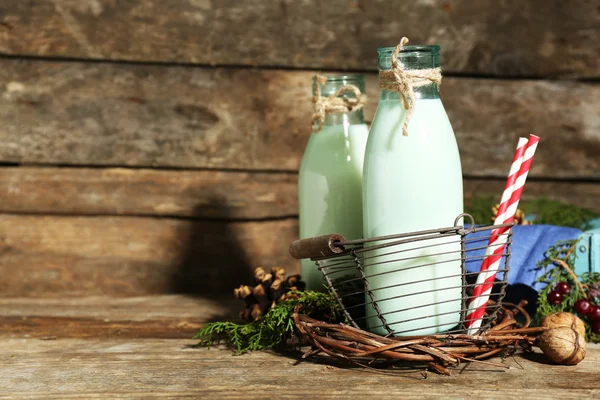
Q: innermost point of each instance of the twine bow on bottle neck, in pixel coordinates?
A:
(404, 81)
(334, 103)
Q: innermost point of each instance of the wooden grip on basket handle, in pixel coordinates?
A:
(320, 246)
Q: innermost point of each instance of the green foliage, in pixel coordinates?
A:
(274, 328)
(553, 274)
(552, 212)
(547, 211)
(480, 207)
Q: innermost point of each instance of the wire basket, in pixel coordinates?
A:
(409, 284)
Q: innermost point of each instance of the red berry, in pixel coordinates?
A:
(555, 297)
(594, 314)
(596, 327)
(563, 287)
(583, 307)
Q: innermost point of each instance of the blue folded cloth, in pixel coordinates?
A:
(530, 242)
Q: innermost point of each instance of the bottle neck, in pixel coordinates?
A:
(421, 93)
(348, 87)
(411, 58)
(348, 118)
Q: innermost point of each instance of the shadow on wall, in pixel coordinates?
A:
(214, 262)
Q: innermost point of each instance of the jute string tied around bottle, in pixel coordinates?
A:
(334, 103)
(404, 81)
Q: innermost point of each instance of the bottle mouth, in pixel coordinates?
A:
(343, 79)
(412, 57)
(335, 82)
(431, 50)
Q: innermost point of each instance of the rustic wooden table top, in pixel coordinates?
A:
(140, 348)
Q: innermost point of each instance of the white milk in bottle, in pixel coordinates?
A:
(412, 183)
(330, 180)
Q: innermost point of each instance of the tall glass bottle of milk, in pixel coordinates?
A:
(412, 182)
(330, 181)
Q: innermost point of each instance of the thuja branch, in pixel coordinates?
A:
(272, 329)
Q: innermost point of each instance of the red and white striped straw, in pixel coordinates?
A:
(506, 213)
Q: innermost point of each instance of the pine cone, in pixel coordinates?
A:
(519, 216)
(270, 290)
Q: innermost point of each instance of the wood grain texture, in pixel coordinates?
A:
(154, 368)
(127, 256)
(120, 191)
(535, 38)
(135, 309)
(51, 328)
(56, 113)
(166, 316)
(226, 195)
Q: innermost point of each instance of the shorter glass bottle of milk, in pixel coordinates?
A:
(330, 180)
(412, 182)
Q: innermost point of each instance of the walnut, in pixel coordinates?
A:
(564, 319)
(562, 345)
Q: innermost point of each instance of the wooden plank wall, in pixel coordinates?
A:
(152, 146)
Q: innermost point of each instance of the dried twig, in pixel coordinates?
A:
(437, 352)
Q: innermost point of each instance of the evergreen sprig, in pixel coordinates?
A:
(555, 273)
(274, 328)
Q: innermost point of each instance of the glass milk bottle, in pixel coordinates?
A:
(330, 181)
(412, 182)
